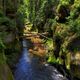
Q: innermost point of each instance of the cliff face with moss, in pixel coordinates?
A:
(61, 19)
(5, 72)
(66, 35)
(10, 45)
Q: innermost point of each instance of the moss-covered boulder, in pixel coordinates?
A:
(5, 72)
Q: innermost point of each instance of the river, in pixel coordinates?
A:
(29, 68)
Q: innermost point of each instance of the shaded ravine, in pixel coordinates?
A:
(29, 68)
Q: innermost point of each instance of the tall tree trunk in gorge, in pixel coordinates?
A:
(1, 5)
(4, 6)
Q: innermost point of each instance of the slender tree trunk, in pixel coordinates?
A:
(4, 6)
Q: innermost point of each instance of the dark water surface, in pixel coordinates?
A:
(29, 68)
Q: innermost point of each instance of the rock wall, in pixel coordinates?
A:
(10, 46)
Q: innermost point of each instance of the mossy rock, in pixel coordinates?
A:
(5, 72)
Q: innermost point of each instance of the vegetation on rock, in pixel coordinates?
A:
(59, 19)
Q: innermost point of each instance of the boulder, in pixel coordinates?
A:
(5, 72)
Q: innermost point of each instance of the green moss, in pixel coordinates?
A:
(5, 72)
(49, 44)
(52, 59)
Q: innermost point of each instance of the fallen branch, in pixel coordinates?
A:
(30, 34)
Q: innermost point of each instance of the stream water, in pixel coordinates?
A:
(29, 68)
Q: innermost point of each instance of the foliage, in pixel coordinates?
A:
(64, 2)
(1, 13)
(7, 22)
(2, 46)
(6, 25)
(44, 15)
(10, 5)
(47, 16)
(67, 30)
(52, 60)
(21, 13)
(49, 44)
(40, 11)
